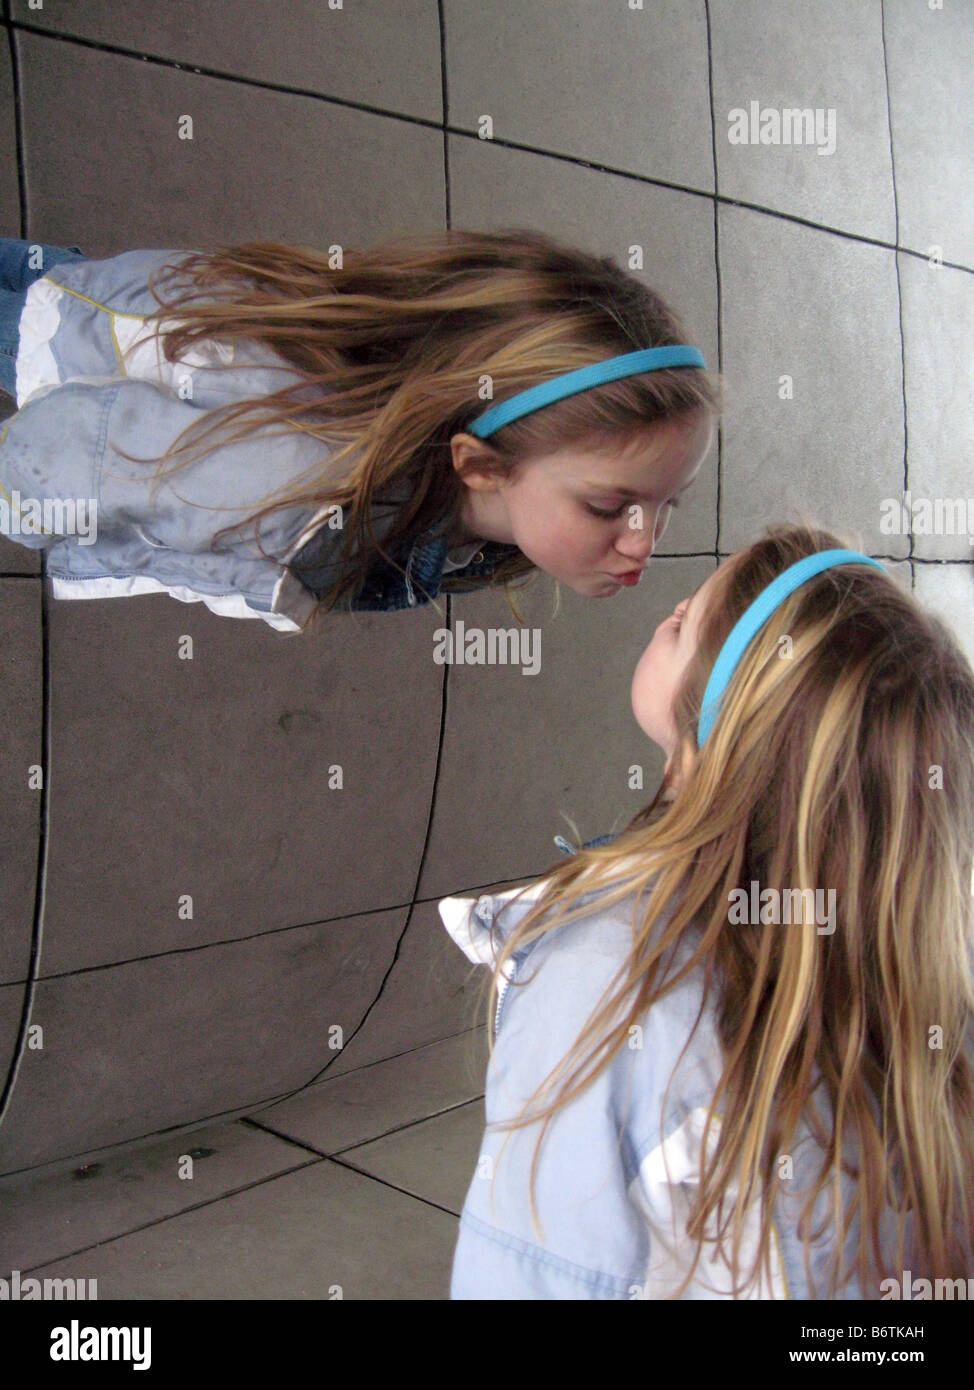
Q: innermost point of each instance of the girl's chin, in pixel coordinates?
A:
(653, 735)
(588, 585)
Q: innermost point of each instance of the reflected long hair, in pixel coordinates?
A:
(399, 347)
(850, 763)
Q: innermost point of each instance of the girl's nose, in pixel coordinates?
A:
(638, 543)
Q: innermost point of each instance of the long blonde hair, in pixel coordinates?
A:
(391, 344)
(850, 763)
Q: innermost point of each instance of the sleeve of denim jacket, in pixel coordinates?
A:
(592, 1241)
(71, 441)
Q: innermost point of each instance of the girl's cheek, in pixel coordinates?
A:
(643, 669)
(575, 536)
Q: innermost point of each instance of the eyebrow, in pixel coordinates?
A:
(626, 492)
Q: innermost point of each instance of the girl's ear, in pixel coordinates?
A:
(475, 463)
(679, 768)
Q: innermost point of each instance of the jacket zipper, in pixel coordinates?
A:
(514, 963)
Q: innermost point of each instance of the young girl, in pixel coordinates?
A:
(755, 1001)
(314, 427)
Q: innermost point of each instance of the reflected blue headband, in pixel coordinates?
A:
(569, 383)
(756, 616)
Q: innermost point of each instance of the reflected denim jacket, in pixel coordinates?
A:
(93, 385)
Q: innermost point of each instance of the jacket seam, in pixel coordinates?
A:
(579, 1273)
(98, 458)
(250, 596)
(88, 300)
(105, 308)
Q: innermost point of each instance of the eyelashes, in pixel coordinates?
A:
(674, 502)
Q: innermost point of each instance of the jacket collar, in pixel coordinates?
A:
(385, 587)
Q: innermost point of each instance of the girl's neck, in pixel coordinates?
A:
(459, 534)
(461, 531)
(476, 520)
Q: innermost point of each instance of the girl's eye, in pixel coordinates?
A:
(597, 511)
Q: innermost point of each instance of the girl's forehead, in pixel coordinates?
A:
(627, 468)
(704, 592)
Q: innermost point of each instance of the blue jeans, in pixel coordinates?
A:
(21, 263)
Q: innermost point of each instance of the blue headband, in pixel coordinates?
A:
(756, 616)
(645, 360)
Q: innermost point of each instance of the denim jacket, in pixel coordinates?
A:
(93, 385)
(619, 1161)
